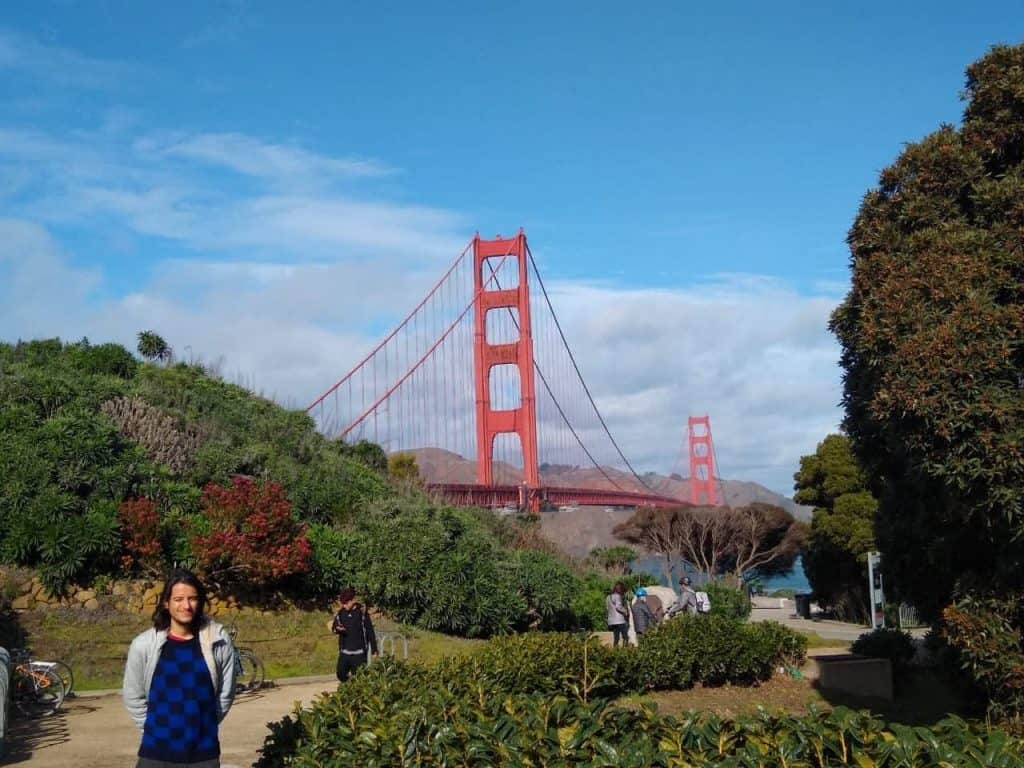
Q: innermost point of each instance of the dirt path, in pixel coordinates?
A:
(95, 732)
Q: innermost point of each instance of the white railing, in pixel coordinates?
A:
(908, 617)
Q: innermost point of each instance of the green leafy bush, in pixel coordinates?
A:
(549, 589)
(727, 601)
(395, 714)
(886, 643)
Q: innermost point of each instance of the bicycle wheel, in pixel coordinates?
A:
(63, 672)
(37, 692)
(250, 674)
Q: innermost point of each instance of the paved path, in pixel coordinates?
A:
(95, 731)
(833, 630)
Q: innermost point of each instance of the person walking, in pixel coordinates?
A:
(355, 634)
(179, 680)
(643, 616)
(617, 614)
(687, 598)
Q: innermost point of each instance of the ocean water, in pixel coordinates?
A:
(795, 579)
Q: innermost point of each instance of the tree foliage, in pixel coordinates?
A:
(614, 560)
(154, 348)
(931, 335)
(247, 535)
(403, 467)
(842, 531)
(718, 541)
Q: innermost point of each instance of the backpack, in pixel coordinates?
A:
(703, 602)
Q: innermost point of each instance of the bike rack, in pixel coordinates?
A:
(388, 640)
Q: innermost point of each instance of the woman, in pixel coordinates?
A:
(618, 614)
(355, 634)
(179, 681)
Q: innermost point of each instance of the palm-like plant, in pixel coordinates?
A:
(153, 347)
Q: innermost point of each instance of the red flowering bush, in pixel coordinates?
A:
(140, 536)
(249, 534)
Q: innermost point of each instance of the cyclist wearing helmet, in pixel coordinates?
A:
(643, 616)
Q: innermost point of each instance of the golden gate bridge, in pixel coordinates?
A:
(481, 368)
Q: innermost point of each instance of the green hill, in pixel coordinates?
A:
(110, 466)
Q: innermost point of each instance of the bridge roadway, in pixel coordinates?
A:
(469, 494)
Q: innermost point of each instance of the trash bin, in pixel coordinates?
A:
(803, 605)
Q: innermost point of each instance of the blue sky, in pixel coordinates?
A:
(229, 170)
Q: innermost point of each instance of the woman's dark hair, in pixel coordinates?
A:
(162, 617)
(619, 587)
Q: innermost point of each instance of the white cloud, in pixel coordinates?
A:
(56, 64)
(141, 184)
(277, 162)
(749, 351)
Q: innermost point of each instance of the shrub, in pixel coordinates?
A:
(886, 643)
(395, 713)
(437, 568)
(160, 436)
(140, 536)
(986, 634)
(248, 535)
(726, 601)
(549, 589)
(104, 359)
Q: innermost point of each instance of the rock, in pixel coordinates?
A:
(23, 603)
(91, 604)
(119, 589)
(85, 595)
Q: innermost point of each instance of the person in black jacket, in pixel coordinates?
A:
(355, 634)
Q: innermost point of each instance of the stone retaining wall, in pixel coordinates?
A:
(21, 590)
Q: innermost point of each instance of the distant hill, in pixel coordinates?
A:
(580, 530)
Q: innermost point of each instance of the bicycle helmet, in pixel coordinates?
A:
(641, 592)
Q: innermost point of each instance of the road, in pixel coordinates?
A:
(94, 731)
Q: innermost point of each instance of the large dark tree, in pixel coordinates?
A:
(719, 542)
(931, 335)
(843, 529)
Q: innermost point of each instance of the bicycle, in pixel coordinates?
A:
(37, 688)
(249, 672)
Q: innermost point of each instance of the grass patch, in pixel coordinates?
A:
(815, 640)
(291, 643)
(922, 698)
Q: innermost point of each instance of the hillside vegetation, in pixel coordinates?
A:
(111, 466)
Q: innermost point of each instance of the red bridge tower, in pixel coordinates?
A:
(702, 464)
(522, 420)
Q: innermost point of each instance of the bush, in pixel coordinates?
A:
(395, 713)
(549, 589)
(885, 643)
(140, 536)
(726, 601)
(986, 634)
(248, 536)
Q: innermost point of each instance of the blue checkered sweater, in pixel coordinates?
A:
(181, 717)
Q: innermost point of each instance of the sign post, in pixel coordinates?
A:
(875, 593)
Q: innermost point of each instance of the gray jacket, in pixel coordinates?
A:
(687, 602)
(144, 653)
(643, 616)
(616, 609)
